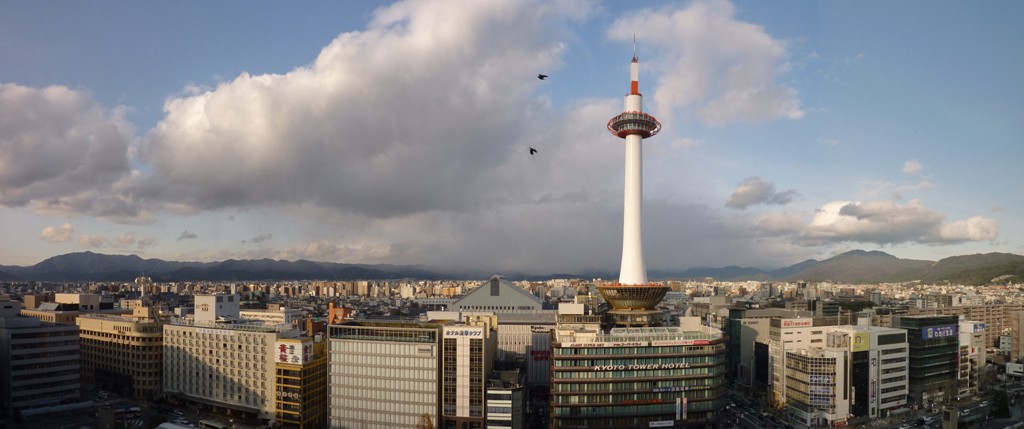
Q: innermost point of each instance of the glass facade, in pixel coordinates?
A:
(934, 348)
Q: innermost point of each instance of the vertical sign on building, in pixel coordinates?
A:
(874, 369)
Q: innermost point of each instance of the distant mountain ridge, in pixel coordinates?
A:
(857, 266)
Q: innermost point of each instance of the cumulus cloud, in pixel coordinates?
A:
(57, 234)
(359, 129)
(755, 190)
(725, 69)
(58, 147)
(887, 222)
(187, 235)
(912, 167)
(976, 228)
(92, 241)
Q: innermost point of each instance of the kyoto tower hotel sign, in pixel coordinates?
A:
(633, 299)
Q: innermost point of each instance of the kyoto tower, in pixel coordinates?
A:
(633, 298)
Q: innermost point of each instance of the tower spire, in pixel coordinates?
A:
(634, 48)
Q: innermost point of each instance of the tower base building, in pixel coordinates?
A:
(637, 377)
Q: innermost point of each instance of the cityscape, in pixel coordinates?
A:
(367, 241)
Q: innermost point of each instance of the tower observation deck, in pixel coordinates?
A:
(633, 298)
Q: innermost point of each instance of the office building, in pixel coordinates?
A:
(998, 318)
(385, 374)
(878, 367)
(123, 353)
(409, 374)
(971, 359)
(301, 390)
(506, 401)
(934, 349)
(39, 364)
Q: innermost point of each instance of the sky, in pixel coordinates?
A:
(378, 132)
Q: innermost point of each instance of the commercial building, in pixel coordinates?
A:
(506, 401)
(39, 363)
(825, 375)
(934, 350)
(996, 317)
(879, 368)
(971, 359)
(302, 382)
(743, 328)
(221, 362)
(384, 374)
(409, 374)
(123, 353)
(637, 377)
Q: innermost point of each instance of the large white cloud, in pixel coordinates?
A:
(57, 145)
(725, 69)
(410, 115)
(888, 222)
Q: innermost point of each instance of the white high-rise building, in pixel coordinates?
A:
(223, 361)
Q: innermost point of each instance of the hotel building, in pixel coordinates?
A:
(222, 362)
(123, 353)
(637, 377)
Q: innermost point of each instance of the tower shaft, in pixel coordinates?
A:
(633, 271)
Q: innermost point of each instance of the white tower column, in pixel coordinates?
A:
(633, 125)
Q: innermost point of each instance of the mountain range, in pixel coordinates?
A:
(855, 266)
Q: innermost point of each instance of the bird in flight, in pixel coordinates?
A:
(542, 76)
(533, 151)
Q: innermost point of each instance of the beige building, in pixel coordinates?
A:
(123, 353)
(222, 362)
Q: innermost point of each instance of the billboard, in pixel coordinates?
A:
(861, 342)
(938, 332)
(1016, 369)
(295, 352)
(797, 323)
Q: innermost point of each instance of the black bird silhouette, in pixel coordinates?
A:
(542, 76)
(533, 151)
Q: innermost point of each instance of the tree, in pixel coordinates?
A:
(425, 422)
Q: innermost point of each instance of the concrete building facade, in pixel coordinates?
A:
(39, 362)
(123, 353)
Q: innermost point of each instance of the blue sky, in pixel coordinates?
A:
(398, 132)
